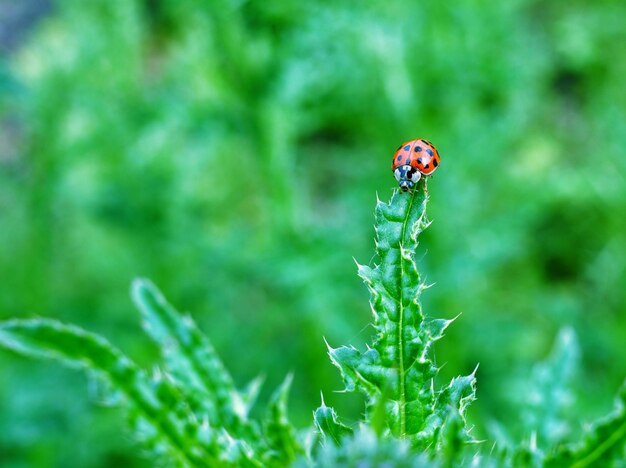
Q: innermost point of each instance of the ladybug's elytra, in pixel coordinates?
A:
(412, 160)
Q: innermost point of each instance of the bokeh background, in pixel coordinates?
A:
(232, 152)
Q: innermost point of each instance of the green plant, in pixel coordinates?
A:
(189, 412)
(396, 373)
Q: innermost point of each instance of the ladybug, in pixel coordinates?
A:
(412, 160)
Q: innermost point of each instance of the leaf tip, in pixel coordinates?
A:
(328, 347)
(139, 284)
(288, 380)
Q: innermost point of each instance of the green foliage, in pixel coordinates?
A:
(397, 366)
(190, 413)
(155, 403)
(603, 444)
(279, 433)
(190, 359)
(547, 408)
(329, 427)
(122, 121)
(546, 412)
(366, 449)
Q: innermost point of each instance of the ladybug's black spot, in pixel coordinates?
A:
(417, 149)
(419, 160)
(407, 147)
(435, 163)
(426, 166)
(430, 152)
(399, 157)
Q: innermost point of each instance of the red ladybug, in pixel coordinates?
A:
(412, 160)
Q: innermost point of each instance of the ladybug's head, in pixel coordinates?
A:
(407, 176)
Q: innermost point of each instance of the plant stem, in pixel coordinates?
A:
(401, 369)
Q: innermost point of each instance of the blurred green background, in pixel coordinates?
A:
(232, 152)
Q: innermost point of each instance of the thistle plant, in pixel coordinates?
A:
(396, 373)
(189, 412)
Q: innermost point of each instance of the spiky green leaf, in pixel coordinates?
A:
(365, 449)
(248, 396)
(451, 404)
(189, 357)
(328, 424)
(548, 398)
(165, 422)
(279, 433)
(603, 444)
(398, 361)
